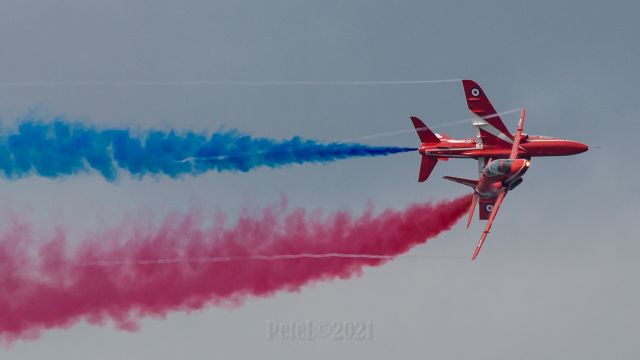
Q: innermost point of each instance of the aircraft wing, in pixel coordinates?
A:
(490, 128)
(517, 137)
(494, 212)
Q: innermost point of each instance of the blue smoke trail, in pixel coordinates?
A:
(60, 148)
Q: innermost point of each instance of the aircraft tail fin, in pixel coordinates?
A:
(426, 167)
(426, 137)
(424, 133)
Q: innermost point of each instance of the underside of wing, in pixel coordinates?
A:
(486, 206)
(494, 211)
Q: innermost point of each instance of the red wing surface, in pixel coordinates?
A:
(486, 206)
(491, 129)
(494, 212)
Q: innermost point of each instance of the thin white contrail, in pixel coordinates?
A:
(214, 259)
(218, 83)
(436, 126)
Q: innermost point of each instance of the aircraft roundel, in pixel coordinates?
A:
(489, 207)
(475, 92)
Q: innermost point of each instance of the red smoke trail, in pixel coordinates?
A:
(134, 271)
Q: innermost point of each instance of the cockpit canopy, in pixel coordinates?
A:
(498, 167)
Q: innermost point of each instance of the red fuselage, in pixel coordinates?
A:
(531, 146)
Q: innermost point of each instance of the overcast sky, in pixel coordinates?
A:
(556, 279)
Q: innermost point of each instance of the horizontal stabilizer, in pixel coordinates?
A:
(468, 182)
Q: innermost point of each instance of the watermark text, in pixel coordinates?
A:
(308, 330)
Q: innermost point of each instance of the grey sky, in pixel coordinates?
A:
(556, 279)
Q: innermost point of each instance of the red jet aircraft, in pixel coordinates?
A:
(493, 139)
(494, 143)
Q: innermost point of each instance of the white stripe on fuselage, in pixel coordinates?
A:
(449, 149)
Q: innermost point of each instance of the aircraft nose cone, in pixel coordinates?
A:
(580, 147)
